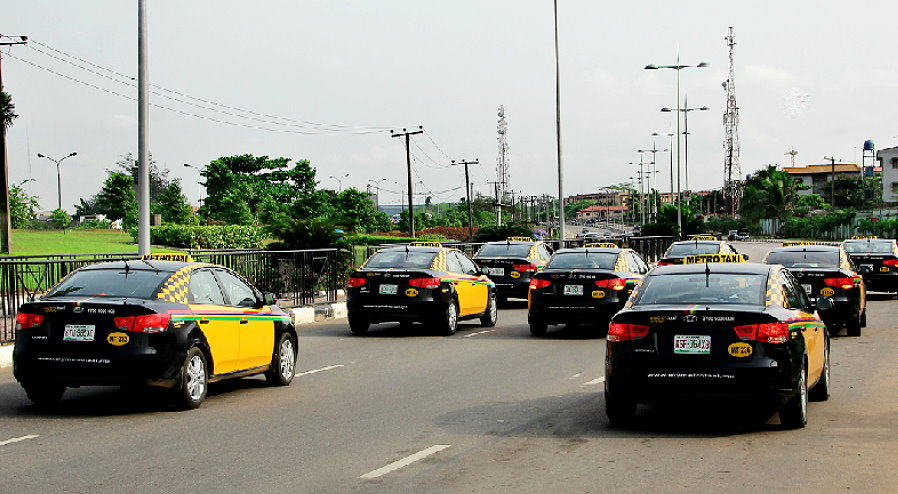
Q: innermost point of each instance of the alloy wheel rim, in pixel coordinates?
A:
(287, 358)
(803, 390)
(453, 317)
(494, 309)
(196, 374)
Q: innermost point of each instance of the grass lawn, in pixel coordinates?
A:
(44, 242)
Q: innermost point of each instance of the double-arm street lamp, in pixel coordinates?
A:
(377, 194)
(199, 189)
(678, 67)
(685, 112)
(339, 181)
(58, 179)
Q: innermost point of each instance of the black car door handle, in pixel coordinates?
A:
(244, 321)
(204, 321)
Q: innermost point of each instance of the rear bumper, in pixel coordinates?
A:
(377, 311)
(513, 288)
(558, 310)
(886, 282)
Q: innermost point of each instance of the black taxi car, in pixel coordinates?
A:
(718, 330)
(587, 285)
(421, 282)
(171, 323)
(827, 271)
(699, 245)
(511, 263)
(876, 260)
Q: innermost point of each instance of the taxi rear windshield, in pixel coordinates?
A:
(401, 259)
(582, 260)
(803, 259)
(132, 283)
(699, 288)
(871, 247)
(689, 249)
(505, 250)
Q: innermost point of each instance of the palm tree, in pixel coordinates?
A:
(7, 110)
(770, 193)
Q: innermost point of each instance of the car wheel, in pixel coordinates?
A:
(283, 362)
(491, 316)
(833, 329)
(448, 322)
(620, 411)
(44, 394)
(820, 391)
(794, 413)
(864, 319)
(194, 381)
(538, 327)
(853, 327)
(358, 324)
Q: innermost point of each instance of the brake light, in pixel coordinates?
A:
(425, 282)
(613, 284)
(28, 321)
(526, 268)
(843, 283)
(537, 283)
(147, 323)
(774, 332)
(664, 263)
(890, 262)
(626, 332)
(356, 282)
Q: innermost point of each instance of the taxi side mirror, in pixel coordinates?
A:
(824, 303)
(269, 298)
(745, 256)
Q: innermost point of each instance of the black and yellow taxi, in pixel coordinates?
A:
(699, 245)
(511, 263)
(827, 271)
(153, 321)
(585, 285)
(876, 260)
(720, 331)
(420, 282)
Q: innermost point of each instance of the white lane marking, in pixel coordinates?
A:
(575, 376)
(479, 332)
(408, 460)
(306, 373)
(18, 439)
(595, 381)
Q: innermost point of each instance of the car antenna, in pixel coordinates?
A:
(127, 268)
(707, 273)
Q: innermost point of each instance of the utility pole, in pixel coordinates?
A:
(143, 131)
(408, 159)
(4, 193)
(498, 202)
(468, 193)
(832, 182)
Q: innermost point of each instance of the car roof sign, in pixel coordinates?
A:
(520, 239)
(604, 245)
(167, 256)
(425, 244)
(793, 243)
(706, 258)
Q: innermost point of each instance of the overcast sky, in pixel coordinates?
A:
(818, 77)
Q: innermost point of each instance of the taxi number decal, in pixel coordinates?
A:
(411, 292)
(117, 339)
(598, 294)
(827, 292)
(515, 274)
(884, 269)
(740, 349)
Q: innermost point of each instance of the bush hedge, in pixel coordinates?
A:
(205, 237)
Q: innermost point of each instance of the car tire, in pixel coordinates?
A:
(538, 327)
(820, 391)
(853, 327)
(794, 413)
(864, 319)
(44, 394)
(283, 361)
(358, 324)
(447, 323)
(193, 383)
(491, 316)
(620, 411)
(834, 329)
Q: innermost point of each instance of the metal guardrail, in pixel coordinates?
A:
(299, 277)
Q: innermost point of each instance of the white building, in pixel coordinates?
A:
(888, 160)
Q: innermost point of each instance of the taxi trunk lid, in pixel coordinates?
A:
(77, 326)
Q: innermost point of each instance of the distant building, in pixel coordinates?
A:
(602, 213)
(816, 176)
(888, 161)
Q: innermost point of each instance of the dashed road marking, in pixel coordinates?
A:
(306, 373)
(18, 439)
(479, 332)
(594, 381)
(408, 460)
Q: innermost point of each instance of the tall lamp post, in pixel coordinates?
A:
(685, 112)
(58, 179)
(377, 194)
(678, 67)
(339, 181)
(670, 154)
(199, 187)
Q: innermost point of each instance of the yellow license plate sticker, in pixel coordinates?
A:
(740, 349)
(118, 339)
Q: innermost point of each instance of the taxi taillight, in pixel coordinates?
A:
(356, 282)
(537, 283)
(612, 284)
(25, 320)
(626, 332)
(890, 262)
(147, 323)
(774, 332)
(664, 263)
(526, 268)
(431, 283)
(843, 283)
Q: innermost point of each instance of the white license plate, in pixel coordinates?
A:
(79, 332)
(807, 288)
(692, 344)
(388, 289)
(573, 289)
(496, 271)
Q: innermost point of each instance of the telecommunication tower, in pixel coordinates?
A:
(732, 173)
(502, 160)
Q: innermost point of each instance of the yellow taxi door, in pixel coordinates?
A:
(215, 320)
(472, 294)
(813, 331)
(256, 330)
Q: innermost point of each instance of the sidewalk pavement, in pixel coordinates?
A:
(301, 315)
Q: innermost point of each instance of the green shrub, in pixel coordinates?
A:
(205, 237)
(94, 224)
(501, 232)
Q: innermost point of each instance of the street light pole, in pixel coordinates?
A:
(199, 189)
(468, 194)
(58, 176)
(339, 181)
(685, 112)
(377, 194)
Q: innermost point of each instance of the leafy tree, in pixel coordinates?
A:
(116, 199)
(21, 206)
(158, 178)
(571, 208)
(87, 207)
(60, 218)
(357, 213)
(770, 193)
(7, 110)
(501, 232)
(302, 233)
(172, 204)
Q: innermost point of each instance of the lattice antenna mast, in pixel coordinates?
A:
(732, 171)
(502, 160)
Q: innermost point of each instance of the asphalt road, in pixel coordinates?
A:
(487, 410)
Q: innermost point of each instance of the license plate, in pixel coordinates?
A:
(692, 344)
(496, 271)
(573, 289)
(79, 332)
(388, 289)
(807, 288)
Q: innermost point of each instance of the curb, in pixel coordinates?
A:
(6, 356)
